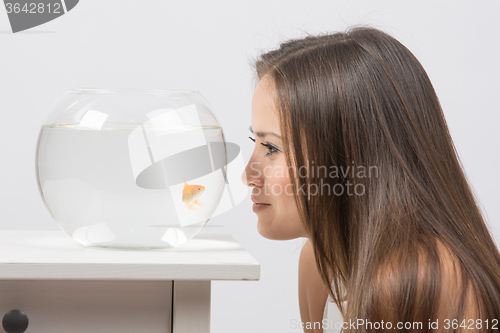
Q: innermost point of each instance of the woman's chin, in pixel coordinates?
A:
(271, 234)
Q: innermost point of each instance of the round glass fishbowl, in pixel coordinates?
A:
(131, 168)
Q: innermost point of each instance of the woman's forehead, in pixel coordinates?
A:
(264, 114)
(263, 97)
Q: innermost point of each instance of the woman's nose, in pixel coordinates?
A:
(252, 176)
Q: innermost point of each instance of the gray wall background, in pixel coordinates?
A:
(206, 46)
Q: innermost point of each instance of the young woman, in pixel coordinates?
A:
(353, 152)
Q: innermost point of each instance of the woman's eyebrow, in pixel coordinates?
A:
(263, 134)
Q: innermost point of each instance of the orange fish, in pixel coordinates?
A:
(190, 195)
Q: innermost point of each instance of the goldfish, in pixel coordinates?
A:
(191, 195)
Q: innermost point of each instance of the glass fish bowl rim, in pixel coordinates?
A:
(87, 90)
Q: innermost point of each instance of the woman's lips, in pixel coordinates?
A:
(258, 206)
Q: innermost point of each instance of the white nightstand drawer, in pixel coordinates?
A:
(83, 306)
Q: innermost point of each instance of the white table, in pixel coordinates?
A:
(62, 286)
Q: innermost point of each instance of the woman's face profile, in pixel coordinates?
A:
(267, 171)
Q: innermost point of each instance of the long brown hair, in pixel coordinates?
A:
(361, 99)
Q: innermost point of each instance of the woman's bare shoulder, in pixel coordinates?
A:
(312, 291)
(391, 276)
(452, 286)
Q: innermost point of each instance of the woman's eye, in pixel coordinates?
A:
(272, 148)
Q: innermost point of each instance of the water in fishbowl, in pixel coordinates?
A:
(131, 186)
